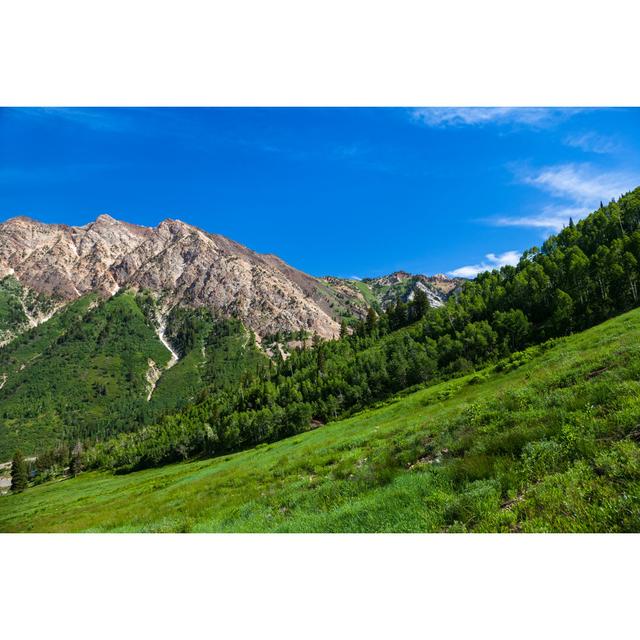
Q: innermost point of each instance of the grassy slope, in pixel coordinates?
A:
(551, 445)
(222, 352)
(367, 293)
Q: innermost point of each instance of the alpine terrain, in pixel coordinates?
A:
(168, 379)
(94, 319)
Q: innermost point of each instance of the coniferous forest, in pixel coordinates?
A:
(580, 277)
(439, 385)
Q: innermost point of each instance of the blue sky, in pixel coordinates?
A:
(348, 192)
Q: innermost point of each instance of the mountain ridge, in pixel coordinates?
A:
(185, 265)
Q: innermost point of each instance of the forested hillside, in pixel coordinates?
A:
(548, 443)
(98, 368)
(578, 278)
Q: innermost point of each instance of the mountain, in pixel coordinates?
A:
(105, 327)
(182, 266)
(384, 291)
(179, 263)
(506, 397)
(587, 273)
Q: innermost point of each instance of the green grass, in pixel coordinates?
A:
(367, 294)
(545, 442)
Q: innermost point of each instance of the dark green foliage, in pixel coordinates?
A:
(76, 462)
(19, 473)
(498, 314)
(216, 354)
(419, 305)
(81, 375)
(552, 446)
(578, 278)
(12, 317)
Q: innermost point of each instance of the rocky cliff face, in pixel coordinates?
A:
(385, 290)
(180, 263)
(184, 265)
(403, 285)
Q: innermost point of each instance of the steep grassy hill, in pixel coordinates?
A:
(547, 440)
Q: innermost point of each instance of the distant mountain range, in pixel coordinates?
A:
(184, 266)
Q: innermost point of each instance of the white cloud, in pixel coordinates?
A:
(579, 188)
(551, 219)
(493, 261)
(580, 183)
(593, 142)
(478, 116)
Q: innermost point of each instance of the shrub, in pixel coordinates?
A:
(541, 458)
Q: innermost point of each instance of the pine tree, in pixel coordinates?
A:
(419, 305)
(19, 475)
(344, 331)
(372, 319)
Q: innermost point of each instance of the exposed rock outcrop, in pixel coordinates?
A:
(182, 264)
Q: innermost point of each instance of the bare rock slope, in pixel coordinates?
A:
(184, 265)
(180, 263)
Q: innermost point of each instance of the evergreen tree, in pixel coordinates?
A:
(419, 305)
(19, 475)
(372, 318)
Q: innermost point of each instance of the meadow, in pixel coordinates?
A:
(545, 441)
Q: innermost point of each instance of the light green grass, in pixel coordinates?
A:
(550, 445)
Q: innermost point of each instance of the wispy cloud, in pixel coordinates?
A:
(492, 261)
(552, 218)
(580, 183)
(578, 189)
(442, 117)
(593, 142)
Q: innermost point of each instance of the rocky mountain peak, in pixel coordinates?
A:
(184, 265)
(181, 264)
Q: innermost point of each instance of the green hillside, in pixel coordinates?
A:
(83, 374)
(12, 317)
(214, 355)
(14, 302)
(73, 374)
(546, 440)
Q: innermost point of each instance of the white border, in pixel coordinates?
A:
(326, 586)
(328, 52)
(319, 52)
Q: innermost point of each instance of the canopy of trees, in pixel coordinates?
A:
(580, 277)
